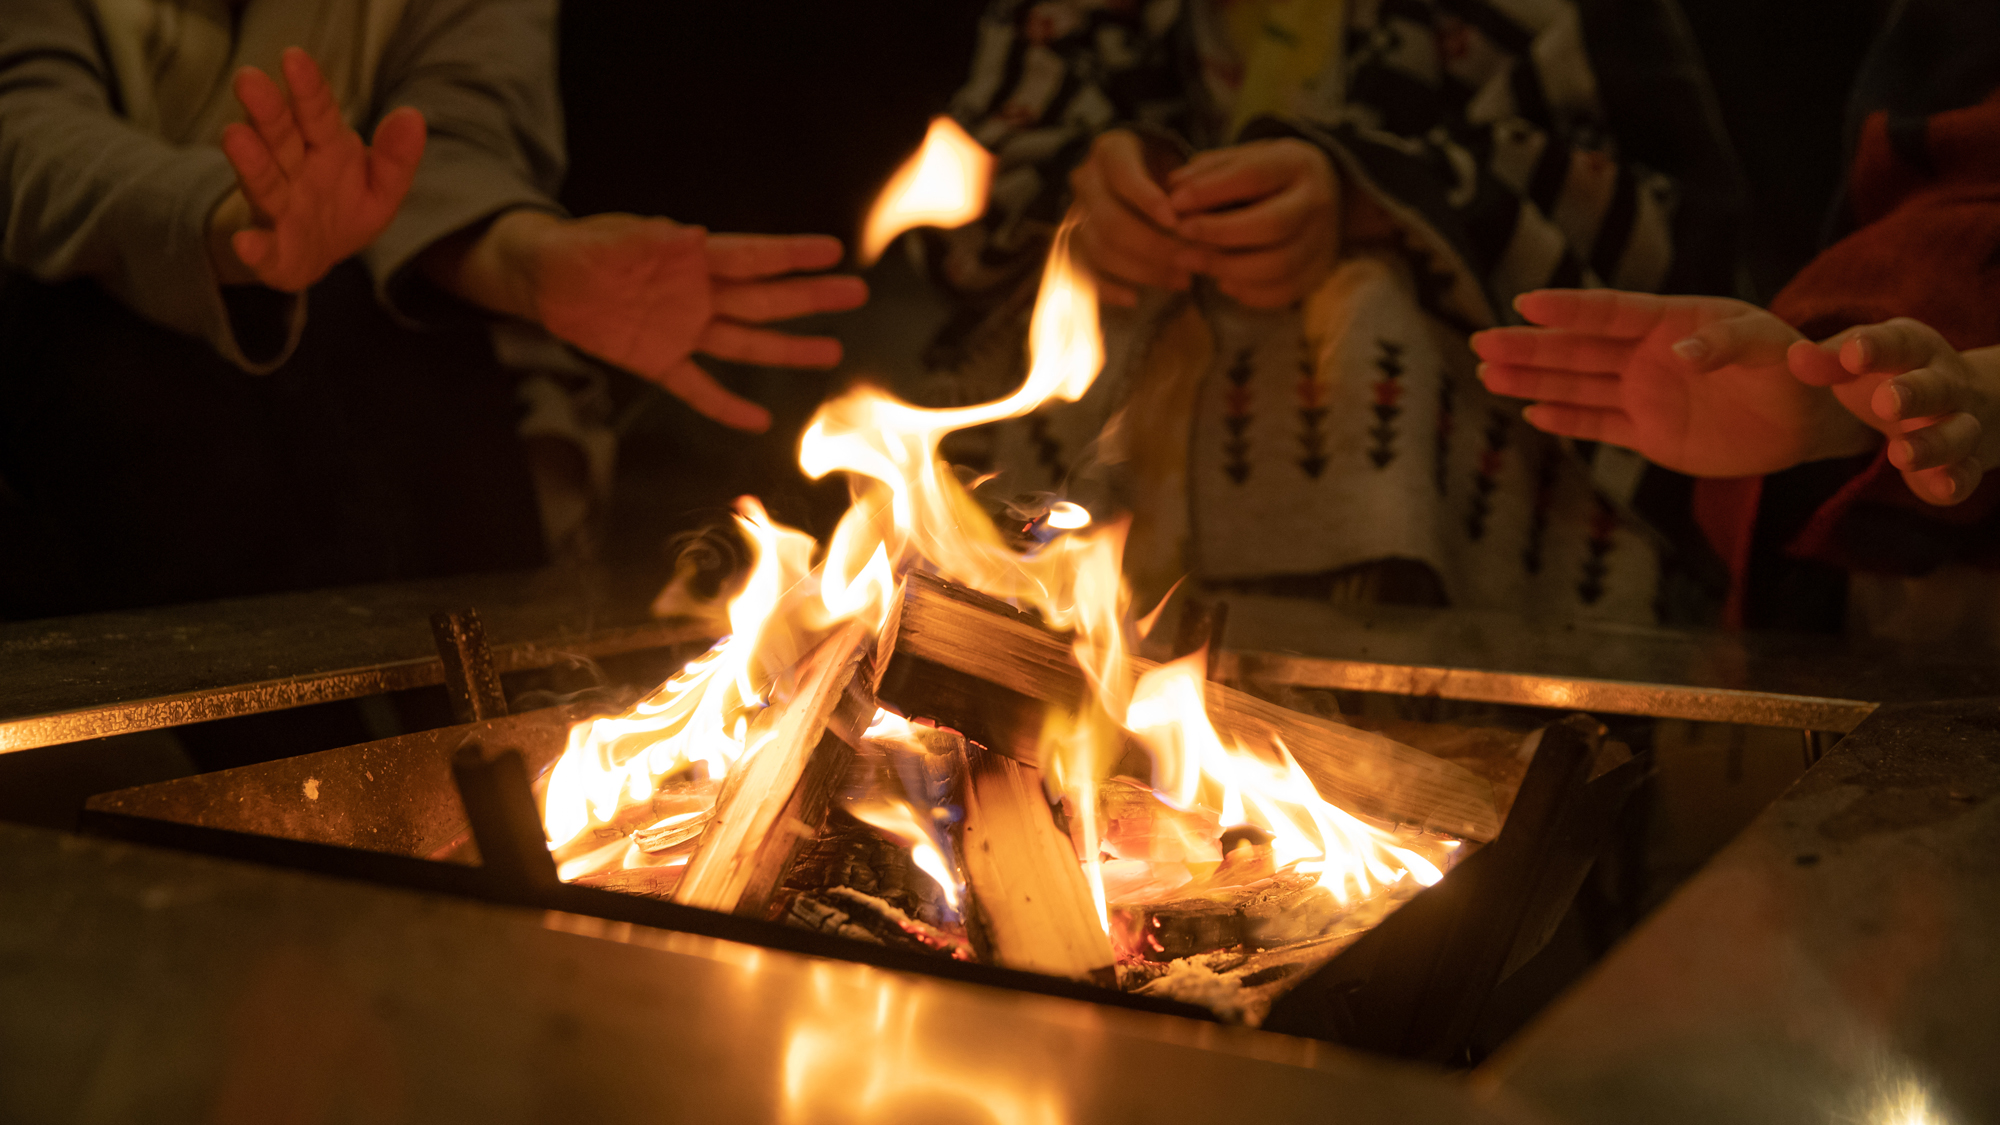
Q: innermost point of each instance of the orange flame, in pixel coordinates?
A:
(895, 817)
(910, 511)
(702, 715)
(943, 184)
(1192, 767)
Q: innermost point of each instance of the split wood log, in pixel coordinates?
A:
(978, 665)
(1031, 907)
(776, 800)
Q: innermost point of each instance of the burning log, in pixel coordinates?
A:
(776, 800)
(978, 665)
(1032, 908)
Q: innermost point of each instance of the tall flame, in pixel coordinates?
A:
(910, 511)
(943, 184)
(702, 715)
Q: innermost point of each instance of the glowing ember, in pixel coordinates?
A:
(900, 821)
(943, 185)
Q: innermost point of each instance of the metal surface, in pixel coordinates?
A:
(1762, 679)
(469, 676)
(1839, 962)
(86, 677)
(395, 795)
(143, 985)
(1666, 701)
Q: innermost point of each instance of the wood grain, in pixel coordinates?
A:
(973, 638)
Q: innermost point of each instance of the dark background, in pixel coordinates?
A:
(770, 116)
(785, 116)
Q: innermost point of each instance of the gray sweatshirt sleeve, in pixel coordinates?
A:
(87, 194)
(483, 73)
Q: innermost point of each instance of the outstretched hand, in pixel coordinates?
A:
(309, 193)
(1939, 408)
(644, 294)
(1697, 384)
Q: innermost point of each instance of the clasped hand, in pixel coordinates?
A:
(1261, 218)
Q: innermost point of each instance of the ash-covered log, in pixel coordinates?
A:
(975, 664)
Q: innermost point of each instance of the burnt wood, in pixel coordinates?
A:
(1416, 985)
(982, 667)
(505, 822)
(481, 884)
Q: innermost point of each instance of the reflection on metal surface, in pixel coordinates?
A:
(31, 731)
(1905, 1102)
(1666, 701)
(863, 1050)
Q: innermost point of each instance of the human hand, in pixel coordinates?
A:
(309, 193)
(1126, 235)
(1697, 384)
(645, 293)
(1261, 218)
(1939, 407)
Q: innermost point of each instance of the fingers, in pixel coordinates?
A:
(264, 185)
(759, 302)
(1264, 223)
(1604, 312)
(1892, 347)
(724, 340)
(313, 106)
(1225, 176)
(272, 117)
(1585, 423)
(1553, 348)
(1753, 338)
(1954, 437)
(1622, 315)
(748, 257)
(1256, 267)
(1817, 365)
(1118, 240)
(1924, 393)
(1602, 392)
(253, 247)
(396, 150)
(711, 399)
(1947, 484)
(1120, 160)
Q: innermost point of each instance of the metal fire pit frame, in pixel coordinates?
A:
(82, 678)
(78, 678)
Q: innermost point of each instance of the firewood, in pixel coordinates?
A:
(982, 667)
(648, 882)
(1031, 906)
(774, 801)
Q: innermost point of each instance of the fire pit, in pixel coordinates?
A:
(934, 734)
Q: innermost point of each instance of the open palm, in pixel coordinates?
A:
(1697, 384)
(646, 293)
(317, 195)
